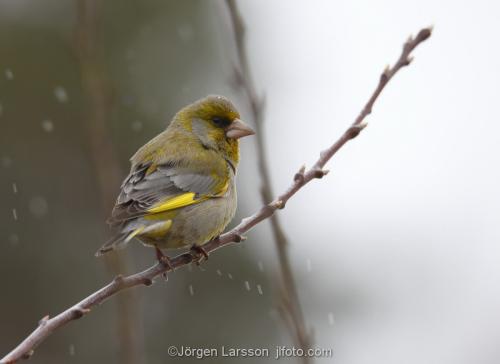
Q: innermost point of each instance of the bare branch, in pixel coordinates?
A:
(48, 325)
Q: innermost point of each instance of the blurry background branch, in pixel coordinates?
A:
(289, 306)
(47, 326)
(98, 94)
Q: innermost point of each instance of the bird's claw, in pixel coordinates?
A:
(199, 254)
(164, 260)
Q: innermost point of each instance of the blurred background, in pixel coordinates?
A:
(395, 253)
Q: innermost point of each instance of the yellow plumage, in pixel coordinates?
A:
(185, 199)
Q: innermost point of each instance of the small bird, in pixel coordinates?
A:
(181, 190)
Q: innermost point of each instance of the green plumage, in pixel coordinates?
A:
(180, 190)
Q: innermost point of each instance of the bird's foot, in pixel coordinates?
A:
(199, 254)
(163, 260)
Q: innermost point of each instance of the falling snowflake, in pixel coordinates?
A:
(259, 289)
(61, 94)
(9, 74)
(47, 125)
(261, 266)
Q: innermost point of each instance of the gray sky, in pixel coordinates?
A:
(407, 221)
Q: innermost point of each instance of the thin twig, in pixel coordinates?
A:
(98, 93)
(290, 303)
(48, 325)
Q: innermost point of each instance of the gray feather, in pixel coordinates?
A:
(140, 191)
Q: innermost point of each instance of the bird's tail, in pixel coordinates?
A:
(119, 241)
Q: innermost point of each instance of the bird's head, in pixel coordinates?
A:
(216, 123)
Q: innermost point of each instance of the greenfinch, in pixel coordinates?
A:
(181, 190)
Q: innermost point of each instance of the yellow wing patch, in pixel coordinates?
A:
(185, 199)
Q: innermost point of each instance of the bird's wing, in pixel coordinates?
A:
(152, 188)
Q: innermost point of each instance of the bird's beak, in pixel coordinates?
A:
(238, 129)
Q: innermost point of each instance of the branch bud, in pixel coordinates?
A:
(277, 204)
(384, 77)
(408, 60)
(78, 312)
(319, 173)
(44, 320)
(245, 221)
(118, 280)
(238, 238)
(28, 354)
(425, 33)
(299, 176)
(354, 130)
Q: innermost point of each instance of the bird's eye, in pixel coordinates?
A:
(221, 122)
